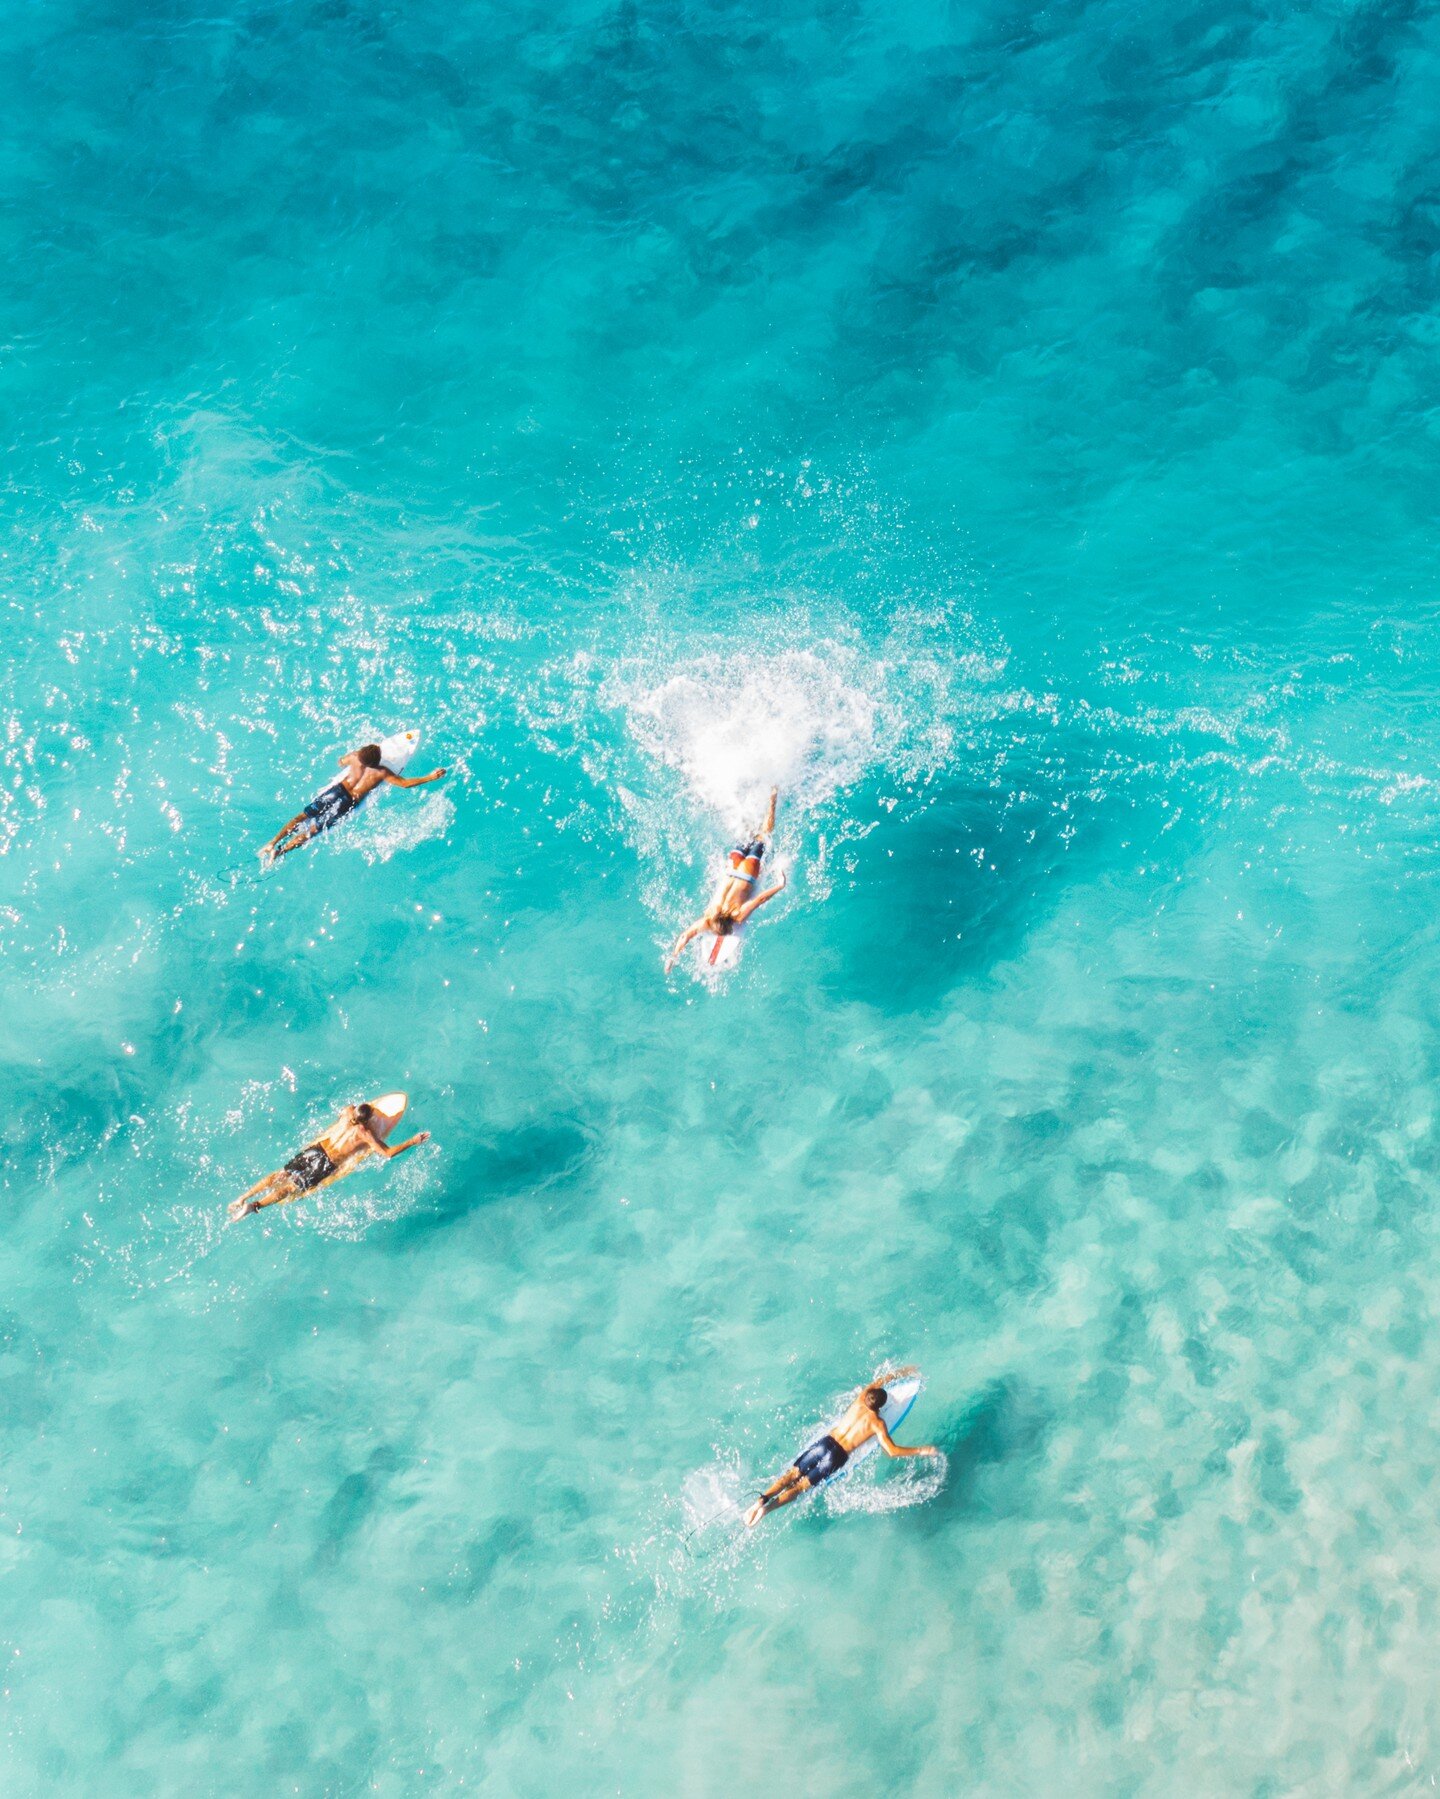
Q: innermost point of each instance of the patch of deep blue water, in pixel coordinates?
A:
(1013, 433)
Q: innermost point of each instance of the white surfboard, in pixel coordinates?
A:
(717, 953)
(396, 751)
(388, 1110)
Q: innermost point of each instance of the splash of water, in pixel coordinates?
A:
(389, 832)
(865, 1490)
(733, 728)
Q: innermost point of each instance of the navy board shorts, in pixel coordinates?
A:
(821, 1460)
(328, 808)
(745, 860)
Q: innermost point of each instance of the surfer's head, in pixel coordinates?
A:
(722, 925)
(369, 756)
(365, 1113)
(875, 1398)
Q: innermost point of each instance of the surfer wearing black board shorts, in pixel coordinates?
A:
(829, 1454)
(359, 1131)
(735, 898)
(364, 772)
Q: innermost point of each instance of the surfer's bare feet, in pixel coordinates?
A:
(755, 1514)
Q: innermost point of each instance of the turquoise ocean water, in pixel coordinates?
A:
(1015, 432)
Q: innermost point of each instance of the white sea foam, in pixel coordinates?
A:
(392, 829)
(705, 739)
(865, 1489)
(733, 727)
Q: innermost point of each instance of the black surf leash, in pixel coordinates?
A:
(730, 1506)
(240, 874)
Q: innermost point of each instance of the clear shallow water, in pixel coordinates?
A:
(1015, 433)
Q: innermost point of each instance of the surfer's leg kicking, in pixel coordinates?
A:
(818, 1463)
(312, 1168)
(745, 859)
(278, 847)
(325, 810)
(272, 1187)
(779, 1492)
(737, 897)
(768, 828)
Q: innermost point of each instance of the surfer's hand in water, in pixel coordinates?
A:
(685, 937)
(241, 1208)
(422, 1137)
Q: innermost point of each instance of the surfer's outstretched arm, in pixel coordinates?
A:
(687, 936)
(899, 1450)
(768, 827)
(754, 905)
(436, 774)
(399, 1149)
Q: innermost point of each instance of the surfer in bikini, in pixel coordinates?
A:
(364, 772)
(735, 898)
(356, 1133)
(830, 1454)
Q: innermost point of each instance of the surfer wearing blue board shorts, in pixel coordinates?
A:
(829, 1454)
(735, 898)
(364, 772)
(358, 1132)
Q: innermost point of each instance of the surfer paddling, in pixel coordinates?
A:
(830, 1454)
(364, 772)
(735, 898)
(358, 1132)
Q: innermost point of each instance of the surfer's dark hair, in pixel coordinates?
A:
(723, 925)
(369, 756)
(875, 1398)
(365, 1113)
